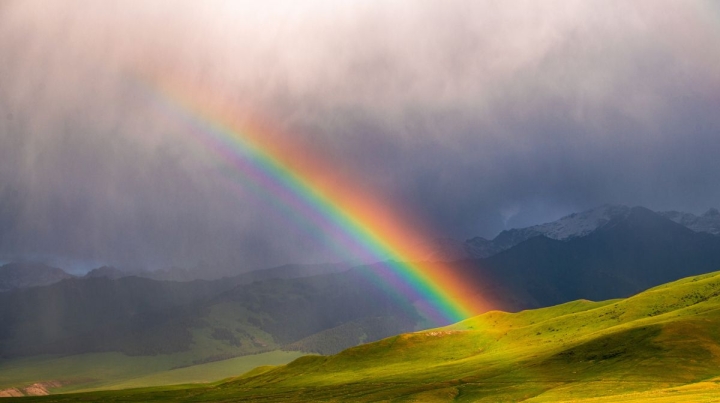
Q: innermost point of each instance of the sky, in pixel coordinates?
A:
(469, 116)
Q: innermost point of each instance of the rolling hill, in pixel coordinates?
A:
(166, 324)
(329, 312)
(663, 343)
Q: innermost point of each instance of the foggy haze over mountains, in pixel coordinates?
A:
(471, 124)
(26, 273)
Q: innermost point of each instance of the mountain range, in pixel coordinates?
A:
(572, 226)
(25, 275)
(610, 252)
(660, 345)
(708, 222)
(627, 254)
(576, 225)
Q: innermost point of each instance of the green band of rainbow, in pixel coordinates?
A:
(306, 184)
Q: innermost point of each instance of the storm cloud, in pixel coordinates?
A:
(474, 115)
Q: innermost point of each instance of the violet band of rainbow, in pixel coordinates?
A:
(368, 231)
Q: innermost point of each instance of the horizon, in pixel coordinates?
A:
(82, 268)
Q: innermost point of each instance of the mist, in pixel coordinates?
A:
(474, 116)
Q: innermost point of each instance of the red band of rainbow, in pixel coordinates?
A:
(312, 187)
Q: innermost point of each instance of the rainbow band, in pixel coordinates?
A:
(310, 188)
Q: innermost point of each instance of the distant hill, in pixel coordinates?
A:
(133, 315)
(207, 272)
(15, 275)
(23, 275)
(660, 344)
(209, 319)
(576, 225)
(568, 228)
(107, 272)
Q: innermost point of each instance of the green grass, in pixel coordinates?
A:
(93, 371)
(662, 344)
(210, 372)
(116, 371)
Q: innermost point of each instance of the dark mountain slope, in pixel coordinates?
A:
(230, 273)
(110, 272)
(24, 275)
(140, 316)
(708, 222)
(293, 309)
(572, 226)
(97, 314)
(632, 253)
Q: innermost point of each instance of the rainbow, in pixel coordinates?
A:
(314, 188)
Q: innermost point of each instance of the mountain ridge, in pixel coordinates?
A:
(575, 225)
(19, 275)
(632, 252)
(707, 222)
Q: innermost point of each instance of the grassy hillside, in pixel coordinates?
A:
(117, 371)
(207, 320)
(661, 344)
(96, 333)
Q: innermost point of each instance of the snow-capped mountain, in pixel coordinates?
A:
(708, 222)
(572, 226)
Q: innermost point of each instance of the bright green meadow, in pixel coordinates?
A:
(660, 345)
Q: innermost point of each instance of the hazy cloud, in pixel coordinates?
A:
(475, 115)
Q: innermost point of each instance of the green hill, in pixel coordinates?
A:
(661, 344)
(147, 325)
(206, 320)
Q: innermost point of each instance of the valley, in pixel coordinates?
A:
(663, 343)
(93, 371)
(130, 331)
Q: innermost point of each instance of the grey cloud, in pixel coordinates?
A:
(473, 115)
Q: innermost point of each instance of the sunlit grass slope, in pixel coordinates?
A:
(661, 344)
